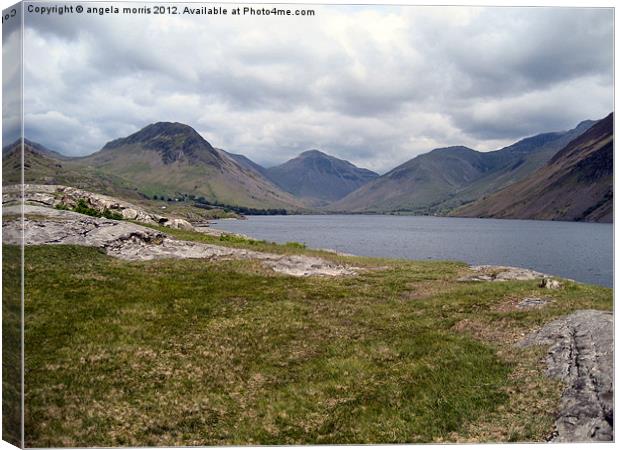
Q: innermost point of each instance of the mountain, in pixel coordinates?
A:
(575, 184)
(419, 183)
(245, 162)
(319, 178)
(169, 158)
(38, 148)
(515, 162)
(41, 165)
(445, 178)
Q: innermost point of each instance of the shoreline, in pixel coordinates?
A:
(600, 280)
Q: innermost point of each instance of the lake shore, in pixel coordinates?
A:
(548, 247)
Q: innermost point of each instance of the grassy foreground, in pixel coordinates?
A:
(11, 347)
(194, 352)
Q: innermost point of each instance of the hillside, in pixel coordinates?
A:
(42, 150)
(170, 158)
(41, 166)
(515, 162)
(319, 178)
(419, 183)
(438, 181)
(576, 184)
(245, 162)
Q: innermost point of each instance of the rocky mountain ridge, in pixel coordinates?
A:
(171, 159)
(575, 184)
(441, 180)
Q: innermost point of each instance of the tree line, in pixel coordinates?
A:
(202, 202)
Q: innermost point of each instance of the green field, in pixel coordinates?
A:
(194, 352)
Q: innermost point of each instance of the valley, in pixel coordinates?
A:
(171, 162)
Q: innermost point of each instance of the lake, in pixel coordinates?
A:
(581, 251)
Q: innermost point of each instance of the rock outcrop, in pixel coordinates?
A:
(581, 355)
(501, 273)
(53, 196)
(549, 283)
(129, 241)
(532, 303)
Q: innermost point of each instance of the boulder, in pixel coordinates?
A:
(500, 273)
(129, 214)
(550, 283)
(179, 224)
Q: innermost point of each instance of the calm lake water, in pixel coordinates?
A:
(581, 251)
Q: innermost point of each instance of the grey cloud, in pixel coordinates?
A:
(500, 52)
(557, 108)
(11, 80)
(373, 85)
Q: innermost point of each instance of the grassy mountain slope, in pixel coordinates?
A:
(439, 181)
(576, 184)
(418, 184)
(168, 158)
(245, 162)
(515, 163)
(43, 168)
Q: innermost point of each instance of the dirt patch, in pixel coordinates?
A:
(418, 291)
(498, 332)
(523, 303)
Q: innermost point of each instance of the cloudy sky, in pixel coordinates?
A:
(373, 85)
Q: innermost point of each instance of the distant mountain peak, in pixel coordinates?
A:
(35, 147)
(586, 123)
(168, 128)
(314, 152)
(158, 130)
(318, 176)
(166, 158)
(575, 184)
(445, 178)
(452, 149)
(175, 141)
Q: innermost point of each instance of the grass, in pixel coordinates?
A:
(11, 347)
(245, 241)
(82, 207)
(236, 239)
(239, 241)
(195, 352)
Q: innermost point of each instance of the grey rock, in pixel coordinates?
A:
(501, 273)
(549, 283)
(532, 303)
(179, 224)
(129, 214)
(71, 228)
(134, 242)
(581, 355)
(54, 195)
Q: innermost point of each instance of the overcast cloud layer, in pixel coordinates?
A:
(373, 85)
